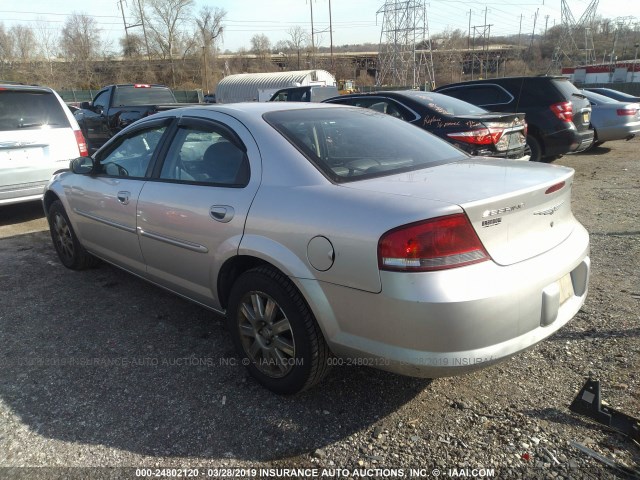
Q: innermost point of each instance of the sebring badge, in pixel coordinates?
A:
(502, 211)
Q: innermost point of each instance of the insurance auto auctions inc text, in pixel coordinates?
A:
(358, 473)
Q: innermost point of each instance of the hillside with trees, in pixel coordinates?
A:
(182, 47)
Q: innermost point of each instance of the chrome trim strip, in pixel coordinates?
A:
(111, 223)
(194, 247)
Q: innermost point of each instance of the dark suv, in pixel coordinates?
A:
(557, 114)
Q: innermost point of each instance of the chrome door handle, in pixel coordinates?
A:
(222, 213)
(123, 197)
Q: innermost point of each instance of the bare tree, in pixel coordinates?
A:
(47, 40)
(261, 47)
(133, 45)
(298, 40)
(164, 20)
(24, 41)
(6, 45)
(80, 44)
(210, 28)
(80, 38)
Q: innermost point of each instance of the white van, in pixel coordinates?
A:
(38, 136)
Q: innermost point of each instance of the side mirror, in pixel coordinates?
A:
(81, 165)
(85, 105)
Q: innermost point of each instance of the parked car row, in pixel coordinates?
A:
(324, 229)
(470, 128)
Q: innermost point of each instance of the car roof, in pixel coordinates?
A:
(539, 78)
(257, 108)
(246, 112)
(22, 87)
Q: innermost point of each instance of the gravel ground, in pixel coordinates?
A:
(100, 369)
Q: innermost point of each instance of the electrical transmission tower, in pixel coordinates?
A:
(567, 49)
(404, 56)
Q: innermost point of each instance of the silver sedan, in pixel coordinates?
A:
(612, 119)
(331, 235)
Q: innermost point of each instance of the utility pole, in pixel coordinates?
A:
(546, 22)
(144, 30)
(533, 32)
(124, 21)
(313, 45)
(469, 35)
(520, 30)
(331, 37)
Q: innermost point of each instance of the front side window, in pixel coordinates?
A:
(132, 155)
(202, 155)
(352, 144)
(101, 102)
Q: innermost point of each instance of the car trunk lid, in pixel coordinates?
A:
(518, 209)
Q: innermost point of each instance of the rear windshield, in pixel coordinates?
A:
(566, 87)
(30, 109)
(132, 96)
(596, 97)
(444, 104)
(349, 144)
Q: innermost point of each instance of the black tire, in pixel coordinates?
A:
(275, 332)
(71, 253)
(533, 149)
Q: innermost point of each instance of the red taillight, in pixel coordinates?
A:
(563, 110)
(436, 244)
(142, 85)
(480, 136)
(627, 112)
(82, 144)
(555, 188)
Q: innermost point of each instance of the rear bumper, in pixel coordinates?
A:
(453, 322)
(568, 140)
(618, 132)
(21, 193)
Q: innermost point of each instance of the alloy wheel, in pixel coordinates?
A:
(266, 334)
(63, 236)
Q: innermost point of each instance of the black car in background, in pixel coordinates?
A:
(558, 115)
(470, 128)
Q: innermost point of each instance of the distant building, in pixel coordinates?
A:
(619, 72)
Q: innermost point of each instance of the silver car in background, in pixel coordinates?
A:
(38, 135)
(612, 119)
(328, 232)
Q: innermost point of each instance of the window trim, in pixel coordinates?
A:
(117, 141)
(206, 125)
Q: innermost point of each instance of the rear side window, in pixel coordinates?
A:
(206, 156)
(30, 110)
(480, 94)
